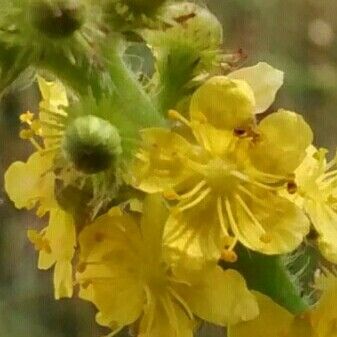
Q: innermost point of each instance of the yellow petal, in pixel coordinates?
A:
(285, 137)
(165, 319)
(63, 279)
(114, 282)
(223, 103)
(324, 218)
(160, 165)
(53, 93)
(324, 316)
(278, 227)
(153, 221)
(31, 182)
(272, 321)
(196, 231)
(219, 297)
(61, 235)
(264, 80)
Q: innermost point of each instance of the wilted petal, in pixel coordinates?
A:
(265, 82)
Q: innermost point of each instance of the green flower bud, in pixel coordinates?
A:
(144, 6)
(57, 19)
(92, 144)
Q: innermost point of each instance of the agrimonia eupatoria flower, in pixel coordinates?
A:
(275, 321)
(123, 270)
(219, 181)
(316, 180)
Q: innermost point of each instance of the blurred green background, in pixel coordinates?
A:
(297, 36)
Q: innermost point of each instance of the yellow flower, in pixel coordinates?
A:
(56, 245)
(275, 321)
(317, 193)
(124, 271)
(31, 183)
(222, 179)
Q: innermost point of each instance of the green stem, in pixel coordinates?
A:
(134, 101)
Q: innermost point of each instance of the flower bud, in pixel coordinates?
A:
(57, 19)
(92, 144)
(144, 6)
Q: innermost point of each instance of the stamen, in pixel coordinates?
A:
(245, 178)
(251, 195)
(195, 202)
(182, 302)
(173, 114)
(27, 117)
(328, 174)
(228, 256)
(171, 314)
(53, 125)
(151, 305)
(251, 216)
(36, 144)
(46, 151)
(115, 332)
(192, 192)
(221, 216)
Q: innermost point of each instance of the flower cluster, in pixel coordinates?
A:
(153, 189)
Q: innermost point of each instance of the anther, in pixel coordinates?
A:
(240, 133)
(170, 195)
(291, 187)
(228, 256)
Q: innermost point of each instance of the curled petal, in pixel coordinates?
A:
(265, 82)
(223, 103)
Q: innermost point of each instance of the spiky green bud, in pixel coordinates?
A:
(58, 19)
(92, 144)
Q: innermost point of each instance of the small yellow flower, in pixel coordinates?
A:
(316, 179)
(274, 321)
(56, 246)
(222, 179)
(123, 270)
(32, 183)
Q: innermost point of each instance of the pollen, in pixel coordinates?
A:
(228, 256)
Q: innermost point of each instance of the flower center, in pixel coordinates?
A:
(219, 175)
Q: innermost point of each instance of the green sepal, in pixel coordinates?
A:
(272, 276)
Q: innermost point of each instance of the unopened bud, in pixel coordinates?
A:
(57, 19)
(92, 144)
